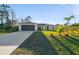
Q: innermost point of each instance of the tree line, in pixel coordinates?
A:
(7, 19)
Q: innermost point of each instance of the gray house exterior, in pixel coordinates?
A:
(32, 26)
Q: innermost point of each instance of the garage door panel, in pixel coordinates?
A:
(28, 27)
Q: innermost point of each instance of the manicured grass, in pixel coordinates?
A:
(5, 32)
(2, 33)
(59, 48)
(70, 44)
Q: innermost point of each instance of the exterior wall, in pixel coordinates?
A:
(42, 27)
(36, 28)
(51, 27)
(19, 26)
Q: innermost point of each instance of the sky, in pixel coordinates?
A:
(47, 13)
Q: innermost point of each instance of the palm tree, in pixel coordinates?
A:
(68, 19)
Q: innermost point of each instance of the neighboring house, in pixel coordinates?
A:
(32, 26)
(46, 27)
(51, 27)
(42, 26)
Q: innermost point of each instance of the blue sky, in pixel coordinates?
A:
(46, 13)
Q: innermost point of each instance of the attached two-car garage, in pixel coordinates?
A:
(28, 27)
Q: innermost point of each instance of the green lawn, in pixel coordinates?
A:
(41, 43)
(70, 44)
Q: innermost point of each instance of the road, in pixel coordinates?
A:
(9, 42)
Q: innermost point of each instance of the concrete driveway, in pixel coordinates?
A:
(9, 42)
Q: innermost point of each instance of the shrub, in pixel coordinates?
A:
(8, 28)
(15, 29)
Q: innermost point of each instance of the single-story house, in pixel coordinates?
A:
(32, 26)
(28, 26)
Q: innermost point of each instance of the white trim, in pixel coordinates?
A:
(36, 28)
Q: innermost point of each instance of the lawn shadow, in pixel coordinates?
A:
(39, 44)
(68, 49)
(75, 39)
(71, 39)
(74, 35)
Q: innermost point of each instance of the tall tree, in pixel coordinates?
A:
(1, 16)
(7, 12)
